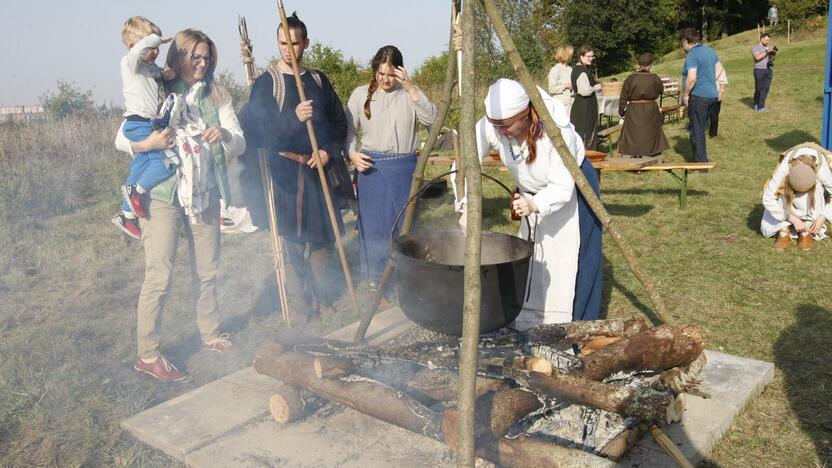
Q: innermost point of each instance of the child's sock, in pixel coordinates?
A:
(128, 214)
(140, 189)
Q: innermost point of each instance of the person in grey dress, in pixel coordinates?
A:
(385, 114)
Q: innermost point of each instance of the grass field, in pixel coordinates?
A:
(69, 284)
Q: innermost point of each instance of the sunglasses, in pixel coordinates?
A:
(202, 58)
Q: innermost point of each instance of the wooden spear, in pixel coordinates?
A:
(314, 141)
(266, 180)
(472, 298)
(418, 177)
(553, 132)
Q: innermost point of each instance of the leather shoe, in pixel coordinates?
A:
(805, 242)
(220, 345)
(160, 369)
(782, 242)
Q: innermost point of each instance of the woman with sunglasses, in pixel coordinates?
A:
(584, 113)
(565, 272)
(192, 55)
(387, 113)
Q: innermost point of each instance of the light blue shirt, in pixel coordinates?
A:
(703, 59)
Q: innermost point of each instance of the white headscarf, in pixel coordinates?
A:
(507, 98)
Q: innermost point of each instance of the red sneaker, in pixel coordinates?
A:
(129, 226)
(160, 369)
(136, 200)
(221, 345)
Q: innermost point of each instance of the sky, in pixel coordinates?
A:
(80, 40)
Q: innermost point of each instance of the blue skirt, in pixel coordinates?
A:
(383, 191)
(589, 281)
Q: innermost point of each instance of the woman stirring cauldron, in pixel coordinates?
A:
(565, 277)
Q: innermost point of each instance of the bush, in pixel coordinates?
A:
(69, 100)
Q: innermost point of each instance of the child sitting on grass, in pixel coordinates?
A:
(140, 78)
(795, 199)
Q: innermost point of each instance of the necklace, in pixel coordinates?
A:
(522, 151)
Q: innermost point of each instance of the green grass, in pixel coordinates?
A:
(69, 285)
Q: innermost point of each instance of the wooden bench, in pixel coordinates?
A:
(673, 113)
(682, 178)
(606, 134)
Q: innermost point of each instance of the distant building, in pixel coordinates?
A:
(21, 114)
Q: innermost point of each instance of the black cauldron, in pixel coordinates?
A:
(429, 268)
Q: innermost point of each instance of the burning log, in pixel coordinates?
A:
(329, 366)
(585, 330)
(684, 379)
(523, 452)
(371, 398)
(643, 402)
(620, 444)
(656, 349)
(443, 384)
(495, 413)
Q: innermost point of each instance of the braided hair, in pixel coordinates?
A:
(388, 55)
(535, 132)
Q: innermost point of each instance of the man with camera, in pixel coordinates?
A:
(763, 73)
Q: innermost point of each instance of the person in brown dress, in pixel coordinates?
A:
(642, 134)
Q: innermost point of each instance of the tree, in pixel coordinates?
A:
(239, 93)
(798, 9)
(345, 75)
(67, 101)
(618, 30)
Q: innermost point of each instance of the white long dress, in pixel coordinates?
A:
(552, 272)
(776, 212)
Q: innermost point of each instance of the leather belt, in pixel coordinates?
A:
(301, 159)
(642, 101)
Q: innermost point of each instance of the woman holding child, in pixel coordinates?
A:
(193, 57)
(387, 112)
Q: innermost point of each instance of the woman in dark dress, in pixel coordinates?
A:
(584, 113)
(642, 134)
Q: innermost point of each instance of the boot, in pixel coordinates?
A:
(782, 241)
(805, 241)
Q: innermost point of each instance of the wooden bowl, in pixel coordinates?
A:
(595, 156)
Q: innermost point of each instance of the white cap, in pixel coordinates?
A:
(506, 98)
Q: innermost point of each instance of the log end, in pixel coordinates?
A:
(286, 406)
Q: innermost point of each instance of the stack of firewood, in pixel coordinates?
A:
(520, 374)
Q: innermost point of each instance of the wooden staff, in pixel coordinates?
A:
(266, 180)
(418, 178)
(314, 141)
(553, 132)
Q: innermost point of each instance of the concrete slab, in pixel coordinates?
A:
(239, 431)
(731, 381)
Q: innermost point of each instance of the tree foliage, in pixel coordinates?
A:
(798, 9)
(345, 74)
(68, 100)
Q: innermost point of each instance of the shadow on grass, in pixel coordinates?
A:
(610, 283)
(754, 217)
(681, 145)
(803, 354)
(787, 140)
(629, 211)
(748, 101)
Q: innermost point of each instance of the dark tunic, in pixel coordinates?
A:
(584, 113)
(642, 134)
(276, 131)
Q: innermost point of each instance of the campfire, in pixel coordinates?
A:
(554, 393)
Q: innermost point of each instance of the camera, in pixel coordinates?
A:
(772, 53)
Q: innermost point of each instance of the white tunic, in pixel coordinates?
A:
(552, 272)
(776, 212)
(559, 76)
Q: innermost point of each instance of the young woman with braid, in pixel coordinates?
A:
(386, 113)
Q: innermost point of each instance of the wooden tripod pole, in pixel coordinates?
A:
(418, 178)
(525, 78)
(472, 299)
(314, 141)
(266, 180)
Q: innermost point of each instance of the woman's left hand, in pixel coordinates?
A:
(817, 226)
(215, 135)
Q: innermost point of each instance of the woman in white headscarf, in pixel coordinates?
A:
(567, 235)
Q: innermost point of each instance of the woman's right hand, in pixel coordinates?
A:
(155, 141)
(798, 224)
(361, 161)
